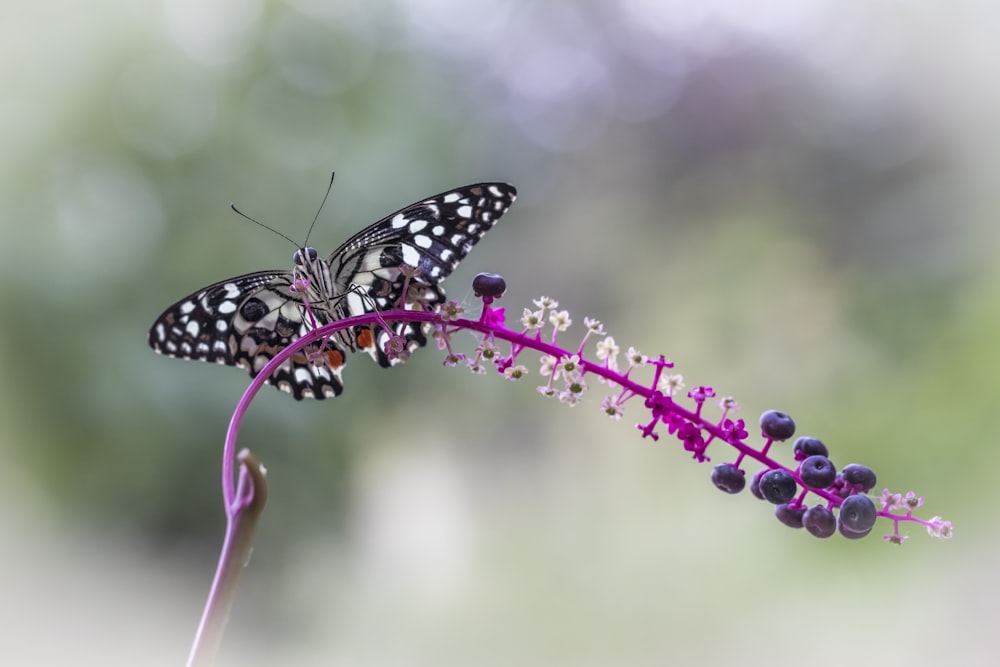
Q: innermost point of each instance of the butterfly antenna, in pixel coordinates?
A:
(329, 188)
(258, 222)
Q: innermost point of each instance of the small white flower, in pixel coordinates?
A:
(728, 403)
(568, 398)
(454, 359)
(545, 302)
(612, 407)
(531, 320)
(636, 358)
(569, 367)
(548, 364)
(938, 527)
(515, 372)
(547, 391)
(912, 501)
(607, 351)
(560, 320)
(451, 311)
(891, 501)
(488, 349)
(395, 348)
(671, 384)
(593, 326)
(573, 392)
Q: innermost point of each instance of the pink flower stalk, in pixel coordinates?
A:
(569, 373)
(806, 494)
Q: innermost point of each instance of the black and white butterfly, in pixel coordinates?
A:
(246, 320)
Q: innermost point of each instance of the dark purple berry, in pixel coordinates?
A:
(857, 514)
(489, 284)
(755, 484)
(777, 486)
(728, 478)
(850, 534)
(819, 521)
(805, 447)
(790, 515)
(857, 474)
(777, 425)
(817, 472)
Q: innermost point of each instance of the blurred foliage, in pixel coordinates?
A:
(795, 202)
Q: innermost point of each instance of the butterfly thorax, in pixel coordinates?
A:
(313, 272)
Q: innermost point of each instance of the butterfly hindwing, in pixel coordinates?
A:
(245, 321)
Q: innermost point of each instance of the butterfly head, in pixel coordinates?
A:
(305, 256)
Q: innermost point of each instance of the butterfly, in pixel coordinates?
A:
(245, 321)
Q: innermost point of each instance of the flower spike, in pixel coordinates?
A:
(810, 493)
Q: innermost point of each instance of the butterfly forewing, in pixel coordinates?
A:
(247, 320)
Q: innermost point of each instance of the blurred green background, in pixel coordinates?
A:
(795, 201)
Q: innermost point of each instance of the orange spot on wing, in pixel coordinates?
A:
(366, 339)
(335, 358)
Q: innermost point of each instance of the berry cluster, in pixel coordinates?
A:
(814, 473)
(844, 504)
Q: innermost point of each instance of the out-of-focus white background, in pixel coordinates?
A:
(795, 201)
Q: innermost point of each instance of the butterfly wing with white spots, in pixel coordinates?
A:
(248, 319)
